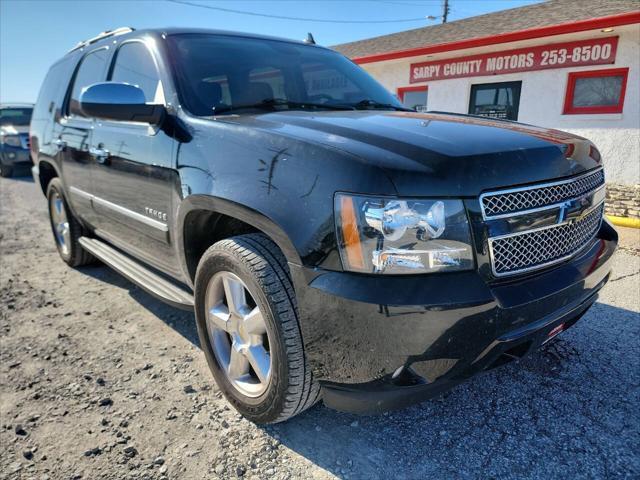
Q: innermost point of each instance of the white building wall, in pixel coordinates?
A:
(617, 136)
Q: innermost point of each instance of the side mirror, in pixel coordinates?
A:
(119, 101)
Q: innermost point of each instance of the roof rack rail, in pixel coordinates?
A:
(100, 36)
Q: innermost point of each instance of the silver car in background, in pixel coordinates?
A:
(14, 137)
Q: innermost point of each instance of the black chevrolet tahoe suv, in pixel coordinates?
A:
(333, 244)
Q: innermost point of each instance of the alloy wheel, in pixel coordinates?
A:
(60, 222)
(238, 334)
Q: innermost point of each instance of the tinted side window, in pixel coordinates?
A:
(92, 70)
(53, 89)
(134, 65)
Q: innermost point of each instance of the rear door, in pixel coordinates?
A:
(134, 176)
(74, 136)
(47, 113)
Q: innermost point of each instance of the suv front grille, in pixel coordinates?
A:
(533, 249)
(518, 200)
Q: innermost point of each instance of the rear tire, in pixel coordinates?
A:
(251, 270)
(66, 229)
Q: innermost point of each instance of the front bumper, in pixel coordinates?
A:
(378, 343)
(14, 156)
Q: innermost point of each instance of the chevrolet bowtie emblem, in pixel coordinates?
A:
(578, 208)
(562, 213)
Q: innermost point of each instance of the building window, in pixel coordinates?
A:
(496, 100)
(414, 97)
(596, 91)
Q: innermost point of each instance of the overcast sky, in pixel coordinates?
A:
(34, 34)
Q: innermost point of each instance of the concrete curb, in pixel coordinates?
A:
(624, 221)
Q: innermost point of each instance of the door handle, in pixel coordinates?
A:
(60, 144)
(100, 154)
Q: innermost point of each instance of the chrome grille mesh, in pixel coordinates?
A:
(537, 248)
(528, 198)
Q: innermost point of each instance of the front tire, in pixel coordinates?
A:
(6, 171)
(247, 322)
(66, 229)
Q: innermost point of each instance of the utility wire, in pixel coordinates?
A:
(281, 17)
(407, 4)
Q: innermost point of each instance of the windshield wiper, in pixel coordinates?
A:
(270, 103)
(374, 104)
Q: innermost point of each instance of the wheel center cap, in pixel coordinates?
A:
(236, 326)
(241, 330)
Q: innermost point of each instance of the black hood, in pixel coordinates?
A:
(453, 154)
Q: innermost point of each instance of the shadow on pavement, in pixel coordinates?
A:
(20, 176)
(569, 409)
(181, 321)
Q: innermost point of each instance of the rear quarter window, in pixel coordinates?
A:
(53, 89)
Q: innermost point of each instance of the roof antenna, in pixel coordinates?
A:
(310, 40)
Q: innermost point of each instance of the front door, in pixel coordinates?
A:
(73, 139)
(134, 174)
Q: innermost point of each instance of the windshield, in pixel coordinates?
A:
(219, 74)
(15, 116)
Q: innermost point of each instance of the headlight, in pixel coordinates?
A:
(12, 140)
(402, 236)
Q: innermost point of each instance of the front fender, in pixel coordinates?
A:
(282, 186)
(226, 207)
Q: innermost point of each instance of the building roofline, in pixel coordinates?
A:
(526, 34)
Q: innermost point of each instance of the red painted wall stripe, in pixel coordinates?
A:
(537, 32)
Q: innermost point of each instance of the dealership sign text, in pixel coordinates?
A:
(558, 55)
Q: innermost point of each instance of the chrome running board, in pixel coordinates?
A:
(140, 275)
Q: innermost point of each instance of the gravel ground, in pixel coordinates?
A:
(100, 380)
